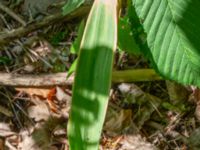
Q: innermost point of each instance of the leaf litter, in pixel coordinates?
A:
(135, 120)
(46, 128)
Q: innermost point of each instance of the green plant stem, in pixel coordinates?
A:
(135, 75)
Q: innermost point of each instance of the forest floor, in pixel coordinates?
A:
(35, 55)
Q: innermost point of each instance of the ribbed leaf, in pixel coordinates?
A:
(173, 35)
(93, 76)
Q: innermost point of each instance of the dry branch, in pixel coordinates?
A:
(23, 31)
(47, 80)
(19, 80)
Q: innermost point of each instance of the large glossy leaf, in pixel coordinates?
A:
(173, 35)
(93, 76)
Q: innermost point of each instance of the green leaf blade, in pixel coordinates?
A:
(173, 31)
(93, 76)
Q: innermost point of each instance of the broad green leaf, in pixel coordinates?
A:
(71, 5)
(173, 35)
(93, 76)
(126, 41)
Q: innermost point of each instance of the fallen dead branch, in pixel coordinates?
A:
(48, 80)
(18, 80)
(23, 31)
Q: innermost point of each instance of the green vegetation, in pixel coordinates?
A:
(93, 78)
(170, 41)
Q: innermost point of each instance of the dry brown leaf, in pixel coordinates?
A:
(39, 111)
(5, 130)
(177, 97)
(46, 93)
(51, 94)
(61, 95)
(43, 92)
(147, 102)
(135, 142)
(27, 142)
(50, 98)
(64, 100)
(118, 122)
(108, 143)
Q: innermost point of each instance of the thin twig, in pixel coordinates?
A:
(5, 22)
(12, 14)
(59, 17)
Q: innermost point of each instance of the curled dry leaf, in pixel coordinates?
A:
(46, 93)
(177, 97)
(27, 142)
(5, 130)
(64, 101)
(50, 98)
(39, 111)
(118, 122)
(43, 92)
(61, 95)
(131, 92)
(29, 68)
(135, 142)
(147, 102)
(109, 143)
